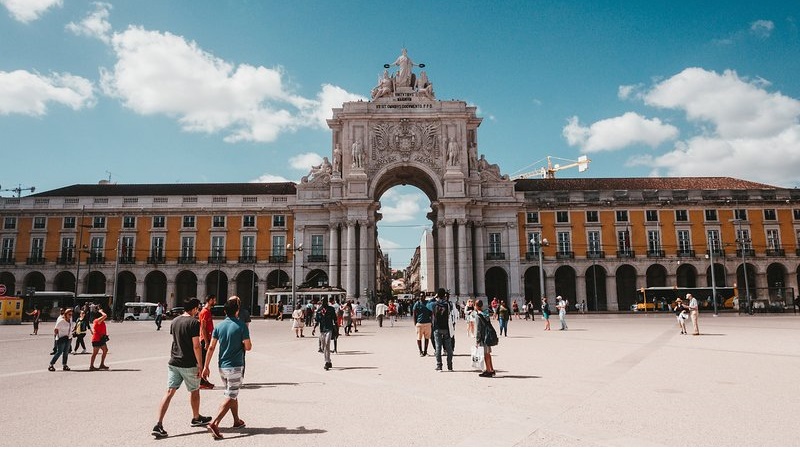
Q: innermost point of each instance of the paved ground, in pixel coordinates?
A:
(611, 380)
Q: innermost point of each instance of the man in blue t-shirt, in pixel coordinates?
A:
(422, 319)
(233, 337)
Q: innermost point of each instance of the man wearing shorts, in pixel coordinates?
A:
(183, 365)
(206, 327)
(233, 338)
(422, 319)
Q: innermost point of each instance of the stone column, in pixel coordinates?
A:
(513, 257)
(480, 253)
(463, 265)
(363, 267)
(352, 268)
(333, 251)
(611, 293)
(580, 288)
(140, 288)
(449, 252)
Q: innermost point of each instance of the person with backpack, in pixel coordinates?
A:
(441, 329)
(485, 337)
(326, 317)
(422, 320)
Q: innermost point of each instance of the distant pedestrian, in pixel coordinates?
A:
(469, 317)
(36, 316)
(234, 339)
(392, 311)
(680, 314)
(482, 338)
(495, 303)
(99, 341)
(326, 317)
(298, 322)
(79, 332)
(503, 316)
(694, 313)
(359, 311)
(184, 366)
(529, 310)
(206, 328)
(61, 335)
(546, 313)
(422, 322)
(347, 317)
(515, 309)
(159, 315)
(441, 329)
(380, 312)
(562, 304)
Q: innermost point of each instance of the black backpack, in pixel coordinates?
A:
(442, 313)
(489, 334)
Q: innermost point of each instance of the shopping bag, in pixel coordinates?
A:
(477, 357)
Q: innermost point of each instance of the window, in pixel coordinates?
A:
(740, 214)
(564, 242)
(188, 221)
(495, 243)
(533, 247)
(279, 221)
(129, 222)
(99, 222)
(217, 246)
(278, 245)
(711, 215)
(159, 222)
(773, 239)
(594, 242)
(187, 247)
(624, 240)
(714, 244)
(743, 238)
(796, 214)
(69, 222)
(562, 216)
(248, 246)
(10, 223)
(532, 217)
(37, 248)
(249, 221)
(769, 214)
(157, 248)
(681, 215)
(622, 216)
(39, 223)
(97, 248)
(218, 222)
(127, 249)
(317, 248)
(684, 241)
(592, 216)
(651, 215)
(67, 250)
(7, 250)
(653, 241)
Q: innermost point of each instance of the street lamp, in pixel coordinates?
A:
(742, 242)
(538, 244)
(294, 251)
(710, 256)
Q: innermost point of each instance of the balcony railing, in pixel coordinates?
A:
(595, 255)
(497, 256)
(217, 259)
(532, 256)
(187, 260)
(249, 259)
(66, 260)
(317, 258)
(35, 260)
(96, 259)
(7, 260)
(718, 252)
(655, 253)
(747, 252)
(277, 259)
(686, 254)
(776, 252)
(626, 254)
(565, 255)
(127, 260)
(155, 259)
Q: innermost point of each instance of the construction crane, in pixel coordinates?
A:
(18, 190)
(550, 171)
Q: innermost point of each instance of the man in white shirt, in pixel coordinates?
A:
(561, 304)
(61, 333)
(694, 313)
(380, 312)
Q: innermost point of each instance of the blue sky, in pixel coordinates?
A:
(159, 91)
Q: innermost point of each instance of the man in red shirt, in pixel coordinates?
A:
(206, 328)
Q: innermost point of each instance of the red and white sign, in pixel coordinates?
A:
(2, 289)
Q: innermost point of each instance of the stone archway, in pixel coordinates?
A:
(217, 284)
(532, 285)
(596, 293)
(656, 276)
(776, 282)
(34, 280)
(7, 278)
(316, 278)
(126, 291)
(565, 284)
(277, 279)
(247, 290)
(95, 283)
(64, 281)
(626, 287)
(185, 286)
(155, 287)
(686, 276)
(719, 275)
(497, 284)
(750, 286)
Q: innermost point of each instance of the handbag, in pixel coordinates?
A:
(490, 337)
(104, 338)
(477, 357)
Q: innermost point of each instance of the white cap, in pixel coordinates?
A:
(558, 297)
(687, 296)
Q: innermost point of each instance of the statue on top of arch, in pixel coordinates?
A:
(403, 78)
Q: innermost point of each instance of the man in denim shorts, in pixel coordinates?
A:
(233, 338)
(183, 365)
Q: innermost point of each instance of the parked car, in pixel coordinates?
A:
(174, 312)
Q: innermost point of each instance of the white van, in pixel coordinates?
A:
(140, 311)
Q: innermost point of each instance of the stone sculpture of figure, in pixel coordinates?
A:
(384, 87)
(358, 154)
(337, 159)
(318, 171)
(406, 64)
(482, 163)
(424, 87)
(473, 156)
(452, 153)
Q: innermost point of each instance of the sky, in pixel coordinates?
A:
(202, 91)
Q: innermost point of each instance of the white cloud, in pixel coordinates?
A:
(330, 97)
(27, 93)
(29, 10)
(629, 91)
(95, 24)
(762, 28)
(387, 245)
(268, 178)
(304, 161)
(618, 132)
(398, 207)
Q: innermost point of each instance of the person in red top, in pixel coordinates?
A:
(99, 339)
(206, 328)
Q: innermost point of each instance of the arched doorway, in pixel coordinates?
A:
(155, 287)
(126, 291)
(596, 295)
(776, 282)
(565, 284)
(532, 286)
(686, 276)
(277, 279)
(719, 275)
(95, 283)
(656, 276)
(247, 290)
(7, 278)
(64, 281)
(750, 286)
(217, 284)
(626, 287)
(34, 280)
(497, 284)
(316, 278)
(185, 286)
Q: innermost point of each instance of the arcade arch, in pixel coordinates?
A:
(64, 281)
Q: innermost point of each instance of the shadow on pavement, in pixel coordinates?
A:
(260, 385)
(354, 368)
(354, 352)
(245, 432)
(109, 370)
(517, 377)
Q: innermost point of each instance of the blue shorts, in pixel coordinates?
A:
(178, 375)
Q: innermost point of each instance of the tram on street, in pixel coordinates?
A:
(278, 302)
(663, 298)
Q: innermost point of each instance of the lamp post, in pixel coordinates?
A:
(742, 242)
(538, 244)
(114, 284)
(218, 252)
(710, 257)
(294, 251)
(594, 280)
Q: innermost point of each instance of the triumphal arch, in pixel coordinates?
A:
(404, 135)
